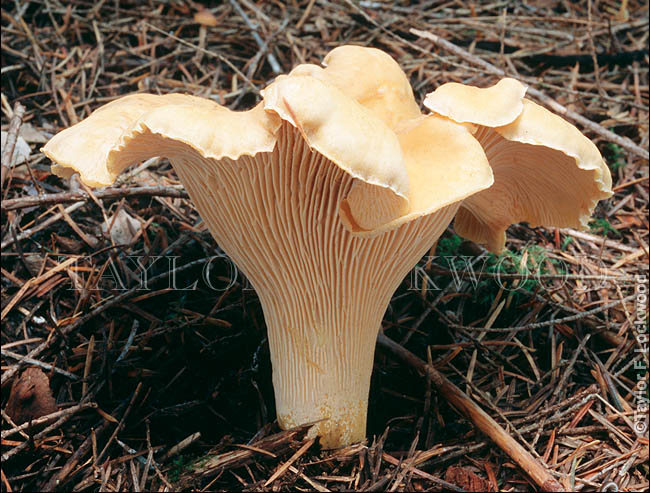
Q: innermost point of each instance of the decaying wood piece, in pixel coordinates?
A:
(272, 446)
(10, 144)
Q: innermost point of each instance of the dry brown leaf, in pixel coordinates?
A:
(32, 135)
(30, 397)
(123, 227)
(466, 479)
(22, 150)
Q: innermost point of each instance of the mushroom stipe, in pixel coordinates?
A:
(332, 188)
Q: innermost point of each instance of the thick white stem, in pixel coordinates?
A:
(322, 367)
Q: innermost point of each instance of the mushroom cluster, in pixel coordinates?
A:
(332, 188)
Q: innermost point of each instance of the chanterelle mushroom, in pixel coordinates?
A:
(331, 189)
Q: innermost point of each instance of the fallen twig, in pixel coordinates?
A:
(264, 46)
(535, 469)
(219, 56)
(64, 474)
(271, 446)
(10, 453)
(539, 325)
(10, 144)
(180, 446)
(48, 417)
(288, 463)
(26, 233)
(83, 196)
(32, 361)
(598, 239)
